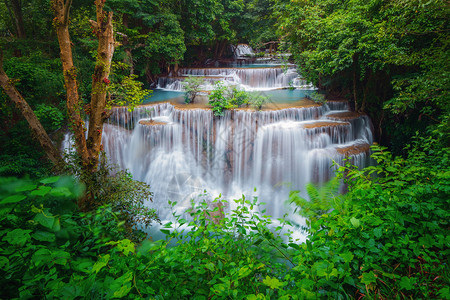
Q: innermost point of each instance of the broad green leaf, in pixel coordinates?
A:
(273, 283)
(378, 232)
(355, 222)
(4, 263)
(126, 246)
(347, 256)
(295, 246)
(122, 292)
(210, 266)
(244, 271)
(60, 257)
(101, 262)
(25, 188)
(60, 192)
(50, 180)
(41, 191)
(13, 199)
(407, 283)
(18, 237)
(44, 236)
(368, 278)
(42, 256)
(45, 220)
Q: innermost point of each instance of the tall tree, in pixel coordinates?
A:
(90, 147)
(15, 11)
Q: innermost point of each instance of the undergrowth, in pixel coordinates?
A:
(385, 239)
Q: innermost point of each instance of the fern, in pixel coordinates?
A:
(322, 199)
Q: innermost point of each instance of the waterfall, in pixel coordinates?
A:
(242, 50)
(248, 78)
(181, 152)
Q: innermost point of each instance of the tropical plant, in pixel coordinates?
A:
(219, 100)
(191, 86)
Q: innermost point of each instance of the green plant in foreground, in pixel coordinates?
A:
(386, 238)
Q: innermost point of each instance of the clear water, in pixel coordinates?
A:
(159, 95)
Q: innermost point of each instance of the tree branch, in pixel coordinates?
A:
(67, 5)
(35, 125)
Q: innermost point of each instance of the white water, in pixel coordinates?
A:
(249, 79)
(185, 152)
(242, 50)
(189, 151)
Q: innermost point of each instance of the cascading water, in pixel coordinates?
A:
(247, 78)
(241, 50)
(181, 152)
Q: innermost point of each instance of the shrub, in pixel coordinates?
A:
(191, 87)
(219, 99)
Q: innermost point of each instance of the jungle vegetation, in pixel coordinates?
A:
(68, 228)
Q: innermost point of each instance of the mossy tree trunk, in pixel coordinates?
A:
(90, 147)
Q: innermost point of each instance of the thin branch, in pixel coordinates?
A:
(66, 11)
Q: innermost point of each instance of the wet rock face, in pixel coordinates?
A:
(151, 122)
(347, 115)
(354, 149)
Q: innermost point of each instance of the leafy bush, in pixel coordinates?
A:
(114, 187)
(223, 98)
(387, 237)
(191, 87)
(49, 116)
(127, 92)
(317, 97)
(219, 100)
(257, 100)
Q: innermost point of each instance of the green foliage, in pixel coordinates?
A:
(128, 92)
(191, 86)
(223, 98)
(116, 188)
(37, 77)
(49, 116)
(381, 54)
(218, 99)
(387, 236)
(318, 98)
(321, 200)
(257, 100)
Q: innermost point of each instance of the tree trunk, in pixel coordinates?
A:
(222, 48)
(355, 98)
(61, 23)
(15, 10)
(88, 149)
(36, 127)
(106, 44)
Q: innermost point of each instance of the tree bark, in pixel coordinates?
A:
(88, 149)
(36, 127)
(61, 23)
(15, 10)
(355, 98)
(103, 28)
